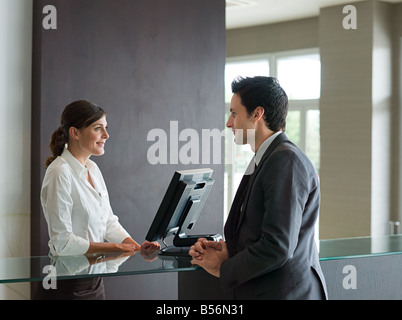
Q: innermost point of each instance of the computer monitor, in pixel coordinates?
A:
(180, 207)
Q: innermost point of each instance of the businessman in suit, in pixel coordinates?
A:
(270, 252)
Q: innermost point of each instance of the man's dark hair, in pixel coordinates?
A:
(267, 93)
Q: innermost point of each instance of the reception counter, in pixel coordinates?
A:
(368, 268)
(355, 268)
(30, 269)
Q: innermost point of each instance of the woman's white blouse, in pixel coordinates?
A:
(75, 212)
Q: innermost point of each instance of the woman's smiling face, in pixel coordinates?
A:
(92, 138)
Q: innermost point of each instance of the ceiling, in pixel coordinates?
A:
(246, 13)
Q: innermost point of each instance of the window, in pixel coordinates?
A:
(300, 76)
(299, 73)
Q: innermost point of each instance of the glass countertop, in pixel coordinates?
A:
(27, 269)
(360, 247)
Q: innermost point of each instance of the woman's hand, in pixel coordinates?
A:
(150, 246)
(128, 245)
(149, 250)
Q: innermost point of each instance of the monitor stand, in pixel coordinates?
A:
(175, 251)
(182, 244)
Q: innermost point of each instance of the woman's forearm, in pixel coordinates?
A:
(100, 247)
(132, 242)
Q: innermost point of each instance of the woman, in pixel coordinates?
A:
(74, 196)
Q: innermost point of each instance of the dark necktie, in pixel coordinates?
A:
(246, 183)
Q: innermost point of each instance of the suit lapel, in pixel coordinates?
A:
(281, 138)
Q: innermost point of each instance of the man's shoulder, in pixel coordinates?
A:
(287, 152)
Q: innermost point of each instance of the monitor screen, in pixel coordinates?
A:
(179, 210)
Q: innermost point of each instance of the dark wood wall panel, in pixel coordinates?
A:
(146, 62)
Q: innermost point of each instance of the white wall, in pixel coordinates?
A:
(15, 135)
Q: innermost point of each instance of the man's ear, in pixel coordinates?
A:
(258, 113)
(74, 133)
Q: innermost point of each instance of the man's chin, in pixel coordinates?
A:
(239, 142)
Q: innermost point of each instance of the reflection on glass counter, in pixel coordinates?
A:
(360, 247)
(26, 269)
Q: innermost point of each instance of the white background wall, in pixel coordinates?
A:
(15, 135)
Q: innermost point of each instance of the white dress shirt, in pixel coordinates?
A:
(75, 212)
(255, 161)
(264, 146)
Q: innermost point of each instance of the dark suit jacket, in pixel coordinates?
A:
(272, 248)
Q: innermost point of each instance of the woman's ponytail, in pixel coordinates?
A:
(56, 146)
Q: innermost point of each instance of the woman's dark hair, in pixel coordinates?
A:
(79, 114)
(267, 93)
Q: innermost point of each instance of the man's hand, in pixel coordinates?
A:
(209, 255)
(198, 248)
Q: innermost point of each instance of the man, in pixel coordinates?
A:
(270, 251)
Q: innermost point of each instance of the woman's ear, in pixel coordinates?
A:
(74, 133)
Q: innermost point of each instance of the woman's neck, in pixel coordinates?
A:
(78, 154)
